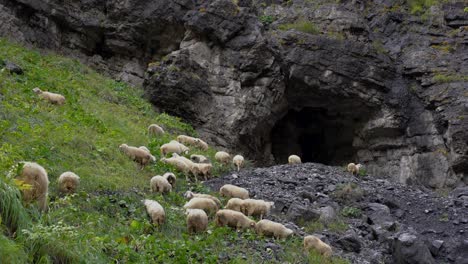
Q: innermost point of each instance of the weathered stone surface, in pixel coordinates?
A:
(408, 249)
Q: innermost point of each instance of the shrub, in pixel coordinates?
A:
(351, 212)
(303, 26)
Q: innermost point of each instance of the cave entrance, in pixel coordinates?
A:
(316, 135)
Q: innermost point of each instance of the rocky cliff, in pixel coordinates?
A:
(384, 83)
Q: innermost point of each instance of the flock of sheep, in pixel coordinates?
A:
(235, 214)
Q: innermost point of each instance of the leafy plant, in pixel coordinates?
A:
(352, 212)
(267, 19)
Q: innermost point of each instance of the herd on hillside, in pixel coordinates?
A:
(236, 213)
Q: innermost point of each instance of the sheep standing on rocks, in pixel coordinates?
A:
(259, 208)
(223, 157)
(173, 147)
(53, 98)
(197, 220)
(68, 182)
(313, 242)
(171, 178)
(234, 204)
(294, 159)
(160, 184)
(238, 161)
(354, 168)
(155, 211)
(232, 191)
(205, 204)
(190, 195)
(270, 228)
(36, 176)
(140, 156)
(233, 219)
(155, 130)
(199, 158)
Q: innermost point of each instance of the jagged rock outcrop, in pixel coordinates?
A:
(362, 81)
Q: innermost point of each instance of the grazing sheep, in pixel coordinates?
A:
(178, 164)
(36, 176)
(155, 130)
(190, 195)
(171, 178)
(197, 220)
(206, 204)
(313, 242)
(153, 158)
(199, 158)
(238, 161)
(233, 219)
(68, 182)
(354, 168)
(252, 207)
(173, 147)
(273, 229)
(155, 211)
(201, 169)
(201, 144)
(234, 204)
(53, 98)
(223, 157)
(140, 156)
(186, 140)
(160, 184)
(294, 159)
(232, 191)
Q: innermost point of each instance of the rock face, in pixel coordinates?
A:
(360, 81)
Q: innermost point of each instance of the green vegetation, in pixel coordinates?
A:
(351, 212)
(444, 47)
(449, 77)
(105, 222)
(379, 47)
(302, 25)
(348, 193)
(420, 6)
(267, 19)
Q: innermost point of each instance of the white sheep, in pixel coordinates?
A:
(178, 164)
(188, 140)
(53, 98)
(155, 211)
(155, 130)
(171, 178)
(270, 228)
(160, 184)
(238, 161)
(232, 191)
(223, 157)
(201, 144)
(36, 176)
(233, 219)
(197, 220)
(199, 158)
(234, 204)
(294, 159)
(173, 147)
(153, 158)
(313, 242)
(140, 156)
(259, 208)
(201, 169)
(190, 195)
(206, 204)
(68, 182)
(354, 168)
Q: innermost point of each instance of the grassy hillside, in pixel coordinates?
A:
(105, 222)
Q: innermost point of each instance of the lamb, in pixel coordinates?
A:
(53, 98)
(252, 207)
(234, 204)
(201, 169)
(36, 176)
(270, 228)
(354, 168)
(206, 204)
(160, 184)
(199, 158)
(197, 220)
(233, 219)
(313, 242)
(223, 157)
(232, 191)
(155, 211)
(178, 164)
(141, 156)
(171, 178)
(68, 182)
(190, 195)
(153, 158)
(173, 147)
(238, 161)
(155, 130)
(294, 159)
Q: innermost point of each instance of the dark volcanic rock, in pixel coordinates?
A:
(409, 249)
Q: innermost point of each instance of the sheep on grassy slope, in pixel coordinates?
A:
(160, 184)
(155, 130)
(68, 182)
(223, 157)
(206, 204)
(193, 141)
(171, 178)
(178, 164)
(173, 147)
(238, 161)
(201, 144)
(155, 211)
(354, 168)
(199, 158)
(313, 242)
(259, 208)
(234, 204)
(140, 156)
(36, 176)
(153, 158)
(201, 169)
(51, 97)
(232, 191)
(190, 195)
(273, 229)
(197, 220)
(294, 159)
(233, 219)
